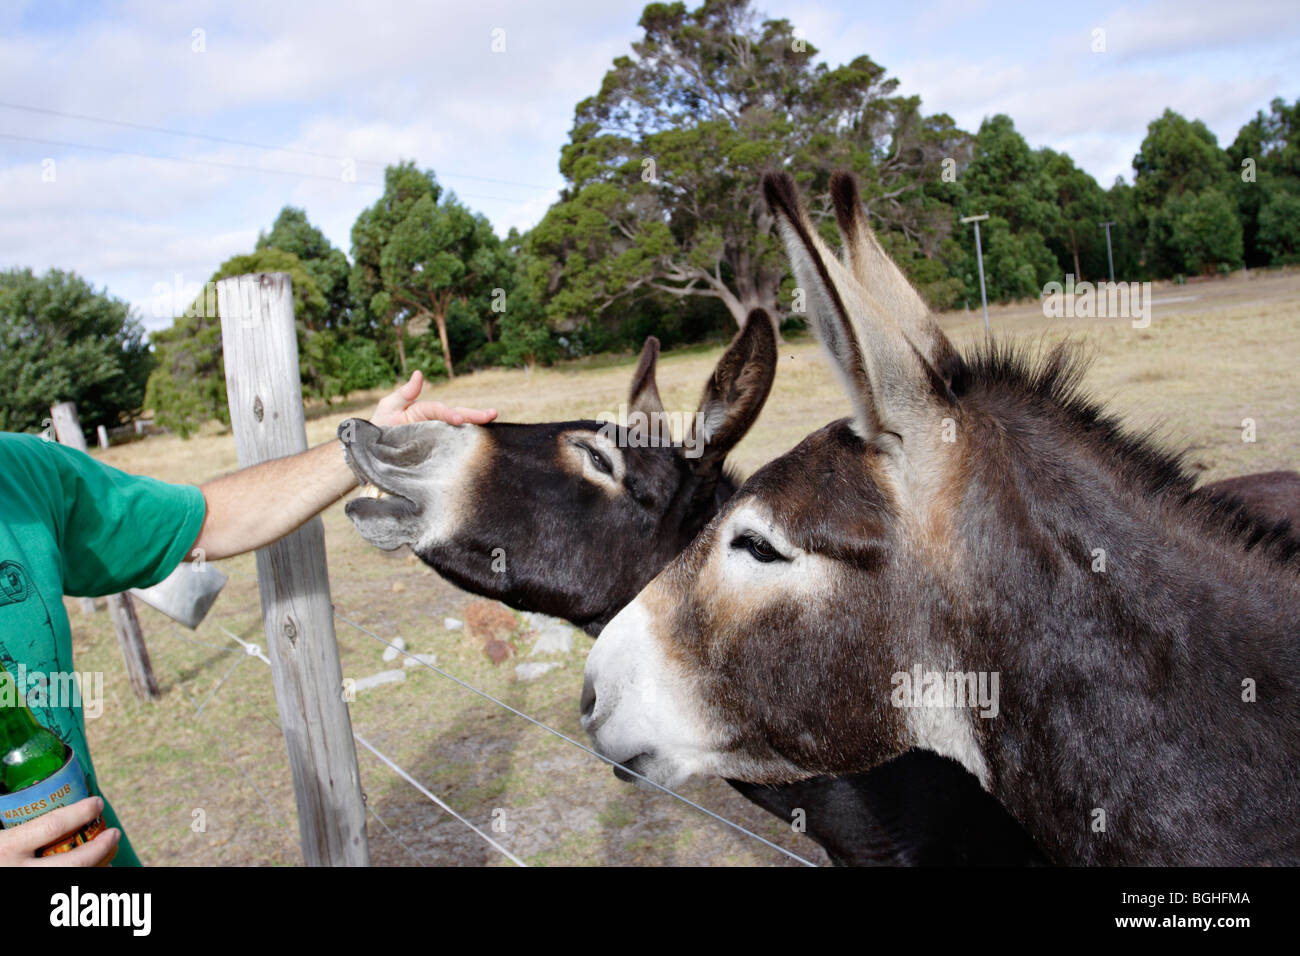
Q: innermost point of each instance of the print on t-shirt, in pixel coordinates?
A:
(25, 620)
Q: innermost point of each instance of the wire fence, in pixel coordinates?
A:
(254, 650)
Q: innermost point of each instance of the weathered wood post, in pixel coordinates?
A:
(102, 433)
(260, 342)
(67, 425)
(139, 670)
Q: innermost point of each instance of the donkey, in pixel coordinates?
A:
(570, 519)
(560, 519)
(980, 520)
(1272, 495)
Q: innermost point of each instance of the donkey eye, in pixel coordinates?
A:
(598, 460)
(759, 548)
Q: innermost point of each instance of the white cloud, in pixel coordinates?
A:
(374, 81)
(388, 80)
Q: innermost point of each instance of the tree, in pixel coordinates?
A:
(1128, 234)
(60, 340)
(412, 256)
(327, 266)
(1264, 162)
(404, 185)
(1075, 229)
(437, 254)
(1279, 228)
(1007, 179)
(524, 333)
(663, 164)
(1015, 266)
(1204, 230)
(1177, 159)
(188, 387)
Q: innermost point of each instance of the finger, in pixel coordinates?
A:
(411, 390)
(112, 854)
(394, 402)
(478, 416)
(98, 852)
(47, 828)
(431, 411)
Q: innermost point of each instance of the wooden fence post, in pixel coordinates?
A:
(139, 671)
(260, 342)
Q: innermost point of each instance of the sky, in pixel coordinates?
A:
(303, 103)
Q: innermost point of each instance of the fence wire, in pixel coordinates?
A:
(569, 740)
(254, 649)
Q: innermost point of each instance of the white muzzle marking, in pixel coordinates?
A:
(644, 707)
(434, 486)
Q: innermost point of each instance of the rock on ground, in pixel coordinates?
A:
(489, 620)
(555, 638)
(383, 677)
(414, 660)
(535, 669)
(498, 651)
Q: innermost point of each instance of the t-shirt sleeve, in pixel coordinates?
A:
(120, 531)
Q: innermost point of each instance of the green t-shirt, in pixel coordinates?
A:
(71, 525)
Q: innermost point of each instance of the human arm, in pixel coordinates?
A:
(254, 506)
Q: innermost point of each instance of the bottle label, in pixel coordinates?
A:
(64, 787)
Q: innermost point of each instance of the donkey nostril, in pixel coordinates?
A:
(588, 704)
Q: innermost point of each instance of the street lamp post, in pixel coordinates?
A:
(979, 258)
(1109, 258)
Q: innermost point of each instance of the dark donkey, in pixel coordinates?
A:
(579, 543)
(982, 564)
(565, 519)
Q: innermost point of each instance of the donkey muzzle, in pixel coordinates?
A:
(423, 467)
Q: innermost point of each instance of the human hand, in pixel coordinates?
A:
(18, 845)
(401, 408)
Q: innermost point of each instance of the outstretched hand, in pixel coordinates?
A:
(255, 506)
(401, 408)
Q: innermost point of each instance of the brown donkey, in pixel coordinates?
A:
(571, 520)
(979, 563)
(567, 518)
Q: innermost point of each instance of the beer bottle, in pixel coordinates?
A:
(38, 771)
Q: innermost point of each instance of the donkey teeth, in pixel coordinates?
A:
(372, 491)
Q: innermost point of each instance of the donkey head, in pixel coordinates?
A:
(759, 653)
(569, 518)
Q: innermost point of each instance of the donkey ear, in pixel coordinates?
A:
(735, 392)
(884, 282)
(644, 395)
(894, 389)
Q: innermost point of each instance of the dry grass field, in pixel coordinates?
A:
(1215, 353)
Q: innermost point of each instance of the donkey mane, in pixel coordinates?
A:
(1050, 381)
